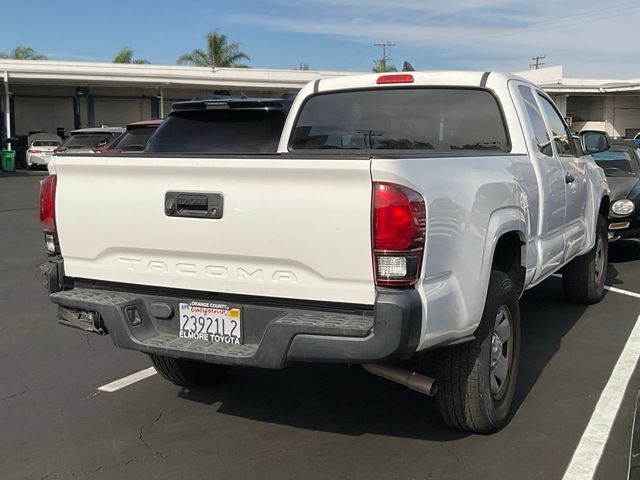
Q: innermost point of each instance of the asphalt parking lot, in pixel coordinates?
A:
(324, 422)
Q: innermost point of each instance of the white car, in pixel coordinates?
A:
(40, 150)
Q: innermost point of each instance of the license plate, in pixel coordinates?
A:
(210, 322)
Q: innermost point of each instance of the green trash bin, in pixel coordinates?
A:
(8, 160)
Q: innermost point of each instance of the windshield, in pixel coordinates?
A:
(219, 131)
(45, 143)
(87, 140)
(617, 162)
(133, 140)
(436, 119)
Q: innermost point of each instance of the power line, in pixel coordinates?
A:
(384, 46)
(627, 8)
(537, 63)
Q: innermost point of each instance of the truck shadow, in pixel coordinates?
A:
(347, 400)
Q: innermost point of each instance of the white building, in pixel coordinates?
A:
(612, 105)
(60, 96)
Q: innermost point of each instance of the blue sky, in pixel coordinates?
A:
(590, 38)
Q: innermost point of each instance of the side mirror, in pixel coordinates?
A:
(594, 141)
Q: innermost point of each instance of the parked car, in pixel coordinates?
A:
(402, 215)
(621, 165)
(87, 140)
(134, 139)
(41, 147)
(221, 124)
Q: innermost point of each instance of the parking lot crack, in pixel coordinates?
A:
(89, 341)
(14, 395)
(48, 475)
(156, 453)
(7, 210)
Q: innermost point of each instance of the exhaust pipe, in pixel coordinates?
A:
(412, 380)
(83, 320)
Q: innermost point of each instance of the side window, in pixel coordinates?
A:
(561, 135)
(537, 122)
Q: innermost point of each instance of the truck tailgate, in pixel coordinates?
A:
(290, 228)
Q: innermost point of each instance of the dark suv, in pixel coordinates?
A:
(221, 124)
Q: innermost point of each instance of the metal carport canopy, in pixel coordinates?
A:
(47, 72)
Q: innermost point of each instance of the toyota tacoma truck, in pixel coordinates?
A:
(402, 217)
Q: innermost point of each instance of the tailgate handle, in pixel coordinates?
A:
(193, 205)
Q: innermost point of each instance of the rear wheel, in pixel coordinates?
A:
(583, 277)
(188, 373)
(477, 379)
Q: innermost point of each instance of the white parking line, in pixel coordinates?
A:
(623, 292)
(589, 450)
(611, 289)
(128, 380)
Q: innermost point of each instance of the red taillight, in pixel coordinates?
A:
(47, 203)
(399, 222)
(60, 150)
(397, 78)
(34, 151)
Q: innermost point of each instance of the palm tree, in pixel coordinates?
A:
(125, 55)
(219, 53)
(23, 53)
(382, 66)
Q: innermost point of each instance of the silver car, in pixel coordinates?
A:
(89, 140)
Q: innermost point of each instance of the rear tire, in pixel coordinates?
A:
(477, 379)
(188, 373)
(583, 278)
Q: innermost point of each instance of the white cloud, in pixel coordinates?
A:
(589, 39)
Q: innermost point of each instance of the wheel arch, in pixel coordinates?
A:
(509, 255)
(605, 205)
(506, 247)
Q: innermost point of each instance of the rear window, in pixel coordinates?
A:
(134, 140)
(219, 131)
(45, 143)
(87, 140)
(434, 119)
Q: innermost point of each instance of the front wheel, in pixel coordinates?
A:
(188, 373)
(477, 379)
(583, 277)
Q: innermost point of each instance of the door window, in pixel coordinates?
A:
(562, 137)
(537, 122)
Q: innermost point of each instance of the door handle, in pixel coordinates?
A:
(569, 178)
(193, 205)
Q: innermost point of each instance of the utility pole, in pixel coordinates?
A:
(382, 63)
(537, 63)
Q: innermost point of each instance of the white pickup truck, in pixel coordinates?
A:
(403, 214)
